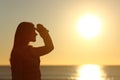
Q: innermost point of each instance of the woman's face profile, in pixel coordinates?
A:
(32, 36)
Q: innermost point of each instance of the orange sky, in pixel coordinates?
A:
(60, 17)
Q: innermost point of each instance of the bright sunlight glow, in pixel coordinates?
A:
(89, 26)
(90, 72)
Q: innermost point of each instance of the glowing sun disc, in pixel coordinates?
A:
(89, 26)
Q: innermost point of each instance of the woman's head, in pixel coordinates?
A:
(25, 33)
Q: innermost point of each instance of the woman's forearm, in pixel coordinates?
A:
(44, 33)
(48, 41)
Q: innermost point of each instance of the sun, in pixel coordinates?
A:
(89, 26)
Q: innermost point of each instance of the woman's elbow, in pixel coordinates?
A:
(51, 48)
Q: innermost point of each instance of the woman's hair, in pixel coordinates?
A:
(22, 32)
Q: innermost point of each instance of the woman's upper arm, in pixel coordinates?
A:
(40, 51)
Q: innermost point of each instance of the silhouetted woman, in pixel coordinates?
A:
(25, 62)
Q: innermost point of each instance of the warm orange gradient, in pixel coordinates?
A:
(99, 45)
